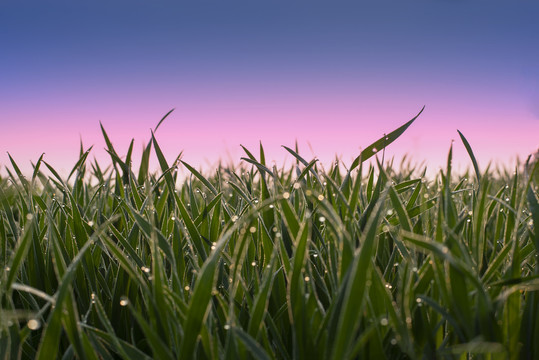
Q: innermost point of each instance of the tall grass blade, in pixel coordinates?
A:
(381, 143)
(472, 157)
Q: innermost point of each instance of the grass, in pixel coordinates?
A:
(257, 262)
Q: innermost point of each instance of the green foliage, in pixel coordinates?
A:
(267, 263)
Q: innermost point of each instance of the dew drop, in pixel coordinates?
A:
(124, 301)
(33, 324)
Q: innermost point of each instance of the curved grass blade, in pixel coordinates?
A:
(260, 167)
(304, 162)
(19, 255)
(381, 143)
(249, 154)
(252, 345)
(110, 149)
(144, 164)
(201, 178)
(162, 119)
(472, 156)
(80, 162)
(37, 166)
(402, 214)
(22, 179)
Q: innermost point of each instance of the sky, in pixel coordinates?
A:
(333, 76)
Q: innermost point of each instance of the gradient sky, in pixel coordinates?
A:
(333, 75)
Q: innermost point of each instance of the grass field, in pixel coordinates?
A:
(255, 262)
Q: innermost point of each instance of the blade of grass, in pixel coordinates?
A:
(381, 143)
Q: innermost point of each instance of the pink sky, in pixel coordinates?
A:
(334, 128)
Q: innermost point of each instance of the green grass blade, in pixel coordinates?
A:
(51, 335)
(201, 178)
(472, 156)
(162, 119)
(198, 305)
(19, 255)
(252, 345)
(381, 143)
(349, 317)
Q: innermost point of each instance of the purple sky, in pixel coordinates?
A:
(335, 76)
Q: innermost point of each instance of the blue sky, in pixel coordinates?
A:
(332, 75)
